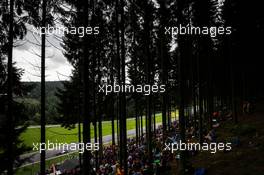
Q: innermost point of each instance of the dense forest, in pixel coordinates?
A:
(206, 54)
(31, 100)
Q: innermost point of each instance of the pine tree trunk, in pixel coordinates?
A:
(200, 102)
(100, 128)
(96, 141)
(182, 81)
(181, 110)
(43, 93)
(154, 118)
(137, 129)
(113, 129)
(119, 122)
(164, 71)
(79, 124)
(112, 105)
(148, 62)
(86, 106)
(10, 119)
(123, 77)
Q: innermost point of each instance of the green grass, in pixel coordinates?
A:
(35, 168)
(62, 135)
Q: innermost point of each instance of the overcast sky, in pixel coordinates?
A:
(27, 52)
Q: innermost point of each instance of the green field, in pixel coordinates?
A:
(34, 168)
(62, 135)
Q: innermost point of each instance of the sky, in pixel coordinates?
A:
(27, 56)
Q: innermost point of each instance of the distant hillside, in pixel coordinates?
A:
(32, 102)
(51, 87)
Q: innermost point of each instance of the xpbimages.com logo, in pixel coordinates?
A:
(80, 31)
(63, 147)
(212, 147)
(129, 88)
(212, 31)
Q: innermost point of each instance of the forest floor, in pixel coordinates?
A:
(246, 158)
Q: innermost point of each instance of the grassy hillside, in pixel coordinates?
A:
(32, 101)
(61, 135)
(51, 87)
